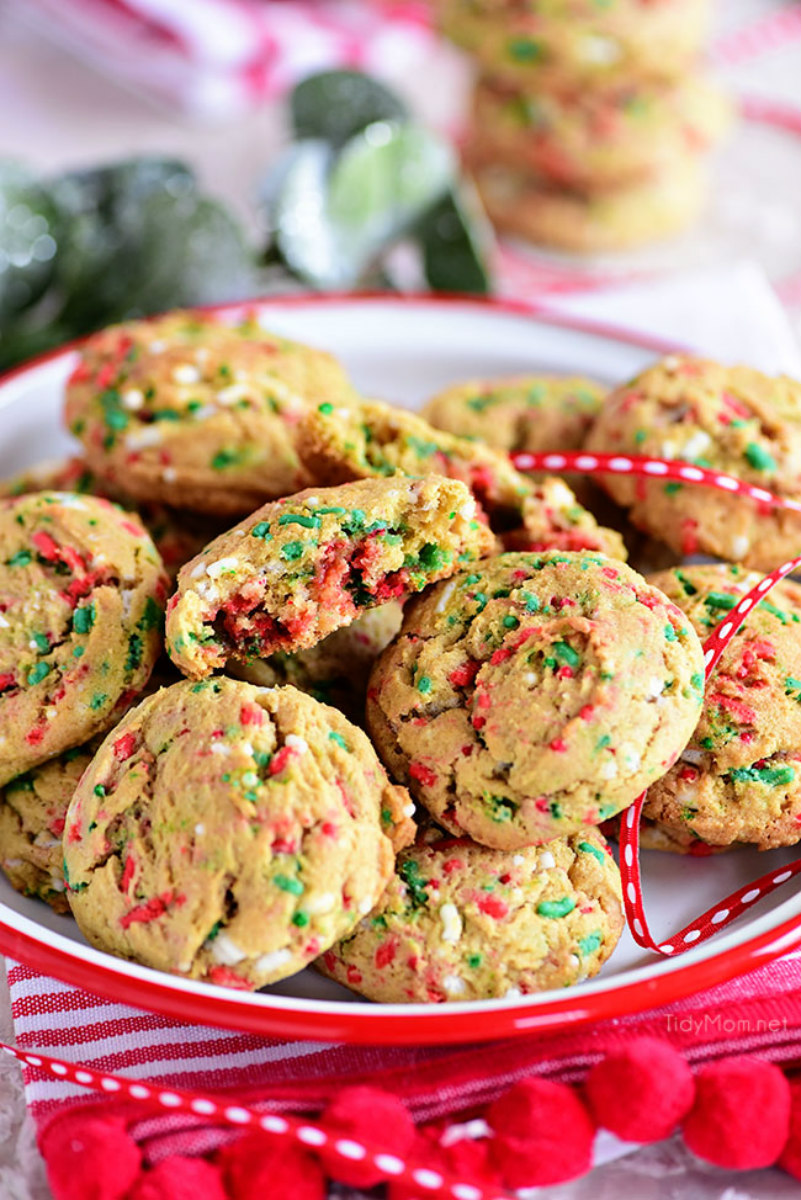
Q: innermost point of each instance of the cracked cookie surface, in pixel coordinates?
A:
(739, 778)
(195, 413)
(732, 419)
(231, 833)
(535, 694)
(82, 594)
(302, 567)
(461, 922)
(369, 439)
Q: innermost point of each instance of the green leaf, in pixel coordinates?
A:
(335, 214)
(335, 105)
(29, 226)
(456, 243)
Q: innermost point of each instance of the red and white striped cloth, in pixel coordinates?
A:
(214, 59)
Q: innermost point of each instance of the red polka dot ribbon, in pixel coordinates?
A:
(732, 906)
(651, 468)
(392, 1167)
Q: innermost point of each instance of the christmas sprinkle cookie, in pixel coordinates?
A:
(569, 44)
(370, 439)
(178, 536)
(82, 593)
(197, 414)
(33, 808)
(524, 412)
(732, 419)
(596, 138)
(230, 833)
(462, 922)
(739, 778)
(300, 568)
(336, 670)
(533, 695)
(518, 203)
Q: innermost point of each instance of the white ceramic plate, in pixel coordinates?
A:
(404, 349)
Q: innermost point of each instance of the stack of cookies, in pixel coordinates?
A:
(589, 120)
(401, 685)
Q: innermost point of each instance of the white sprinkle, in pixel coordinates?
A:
(408, 810)
(518, 860)
(740, 547)
(454, 984)
(272, 961)
(220, 748)
(655, 686)
(323, 903)
(546, 861)
(444, 599)
(697, 444)
(668, 450)
(367, 905)
(530, 679)
(251, 779)
(609, 769)
(216, 569)
(133, 399)
(512, 993)
(151, 435)
(468, 510)
(4, 623)
(671, 363)
(295, 742)
(157, 347)
(232, 394)
(631, 758)
(598, 49)
(186, 373)
(56, 884)
(169, 474)
(198, 572)
(224, 950)
(451, 922)
(200, 830)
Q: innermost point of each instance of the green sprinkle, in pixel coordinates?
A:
(299, 519)
(588, 848)
(300, 919)
(215, 929)
(99, 790)
(262, 530)
(424, 684)
(83, 618)
(759, 458)
(152, 617)
(510, 621)
(114, 415)
(474, 960)
(720, 600)
(135, 649)
(294, 886)
(292, 551)
(20, 559)
(556, 908)
(566, 654)
(590, 943)
(42, 642)
(326, 409)
(333, 508)
(697, 681)
(670, 633)
(433, 557)
(338, 738)
(409, 871)
(39, 672)
(773, 776)
(227, 458)
(524, 50)
(98, 700)
(603, 742)
(672, 487)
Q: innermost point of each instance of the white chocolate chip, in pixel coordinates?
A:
(140, 439)
(186, 373)
(451, 922)
(698, 444)
(324, 903)
(596, 48)
(133, 399)
(295, 742)
(609, 769)
(655, 687)
(216, 569)
(268, 963)
(740, 547)
(454, 985)
(546, 861)
(224, 950)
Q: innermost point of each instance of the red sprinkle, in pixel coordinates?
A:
(280, 761)
(150, 910)
(423, 774)
(124, 746)
(228, 978)
(251, 714)
(385, 954)
(559, 745)
(464, 674)
(493, 906)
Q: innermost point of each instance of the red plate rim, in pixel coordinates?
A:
(373, 1024)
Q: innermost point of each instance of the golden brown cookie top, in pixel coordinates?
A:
(534, 694)
(230, 833)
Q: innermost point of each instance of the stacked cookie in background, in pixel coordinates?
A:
(590, 119)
